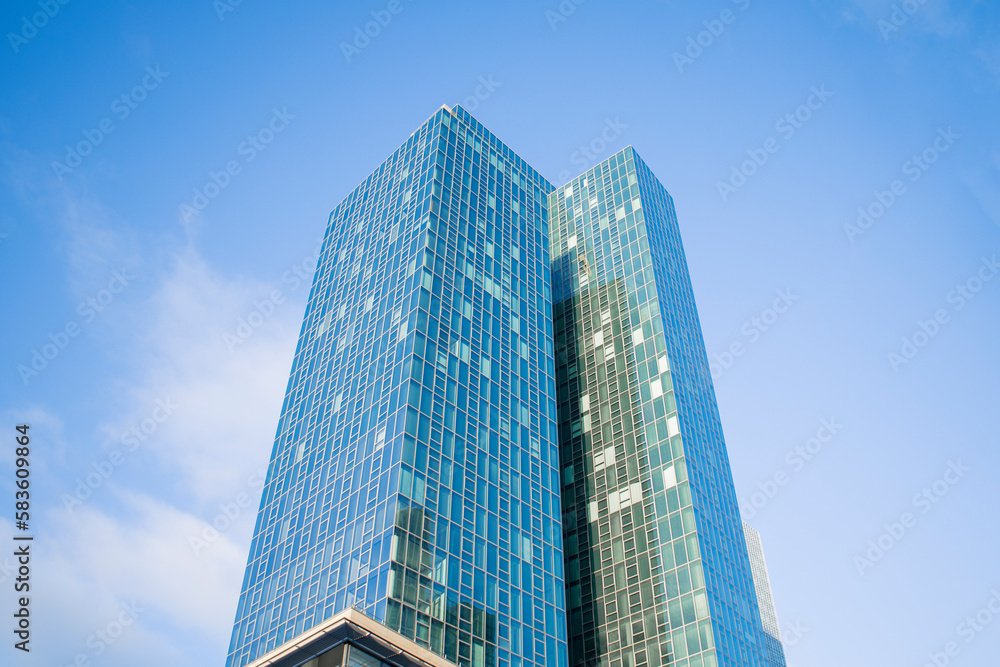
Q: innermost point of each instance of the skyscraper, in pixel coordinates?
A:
(657, 569)
(762, 584)
(415, 469)
(420, 473)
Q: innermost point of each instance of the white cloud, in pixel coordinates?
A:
(38, 420)
(143, 554)
(228, 401)
(92, 241)
(132, 541)
(96, 567)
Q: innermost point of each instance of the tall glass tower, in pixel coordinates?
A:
(765, 600)
(657, 569)
(415, 471)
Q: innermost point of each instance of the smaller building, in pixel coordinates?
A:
(350, 639)
(765, 601)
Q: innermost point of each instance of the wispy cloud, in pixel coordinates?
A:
(129, 541)
(935, 17)
(227, 404)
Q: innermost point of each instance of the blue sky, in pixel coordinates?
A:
(770, 124)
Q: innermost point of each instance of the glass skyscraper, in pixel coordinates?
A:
(657, 568)
(423, 479)
(415, 468)
(762, 584)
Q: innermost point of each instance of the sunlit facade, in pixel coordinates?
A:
(415, 470)
(454, 413)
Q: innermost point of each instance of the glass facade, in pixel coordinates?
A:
(415, 471)
(765, 601)
(420, 472)
(656, 565)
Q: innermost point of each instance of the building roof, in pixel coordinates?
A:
(358, 629)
